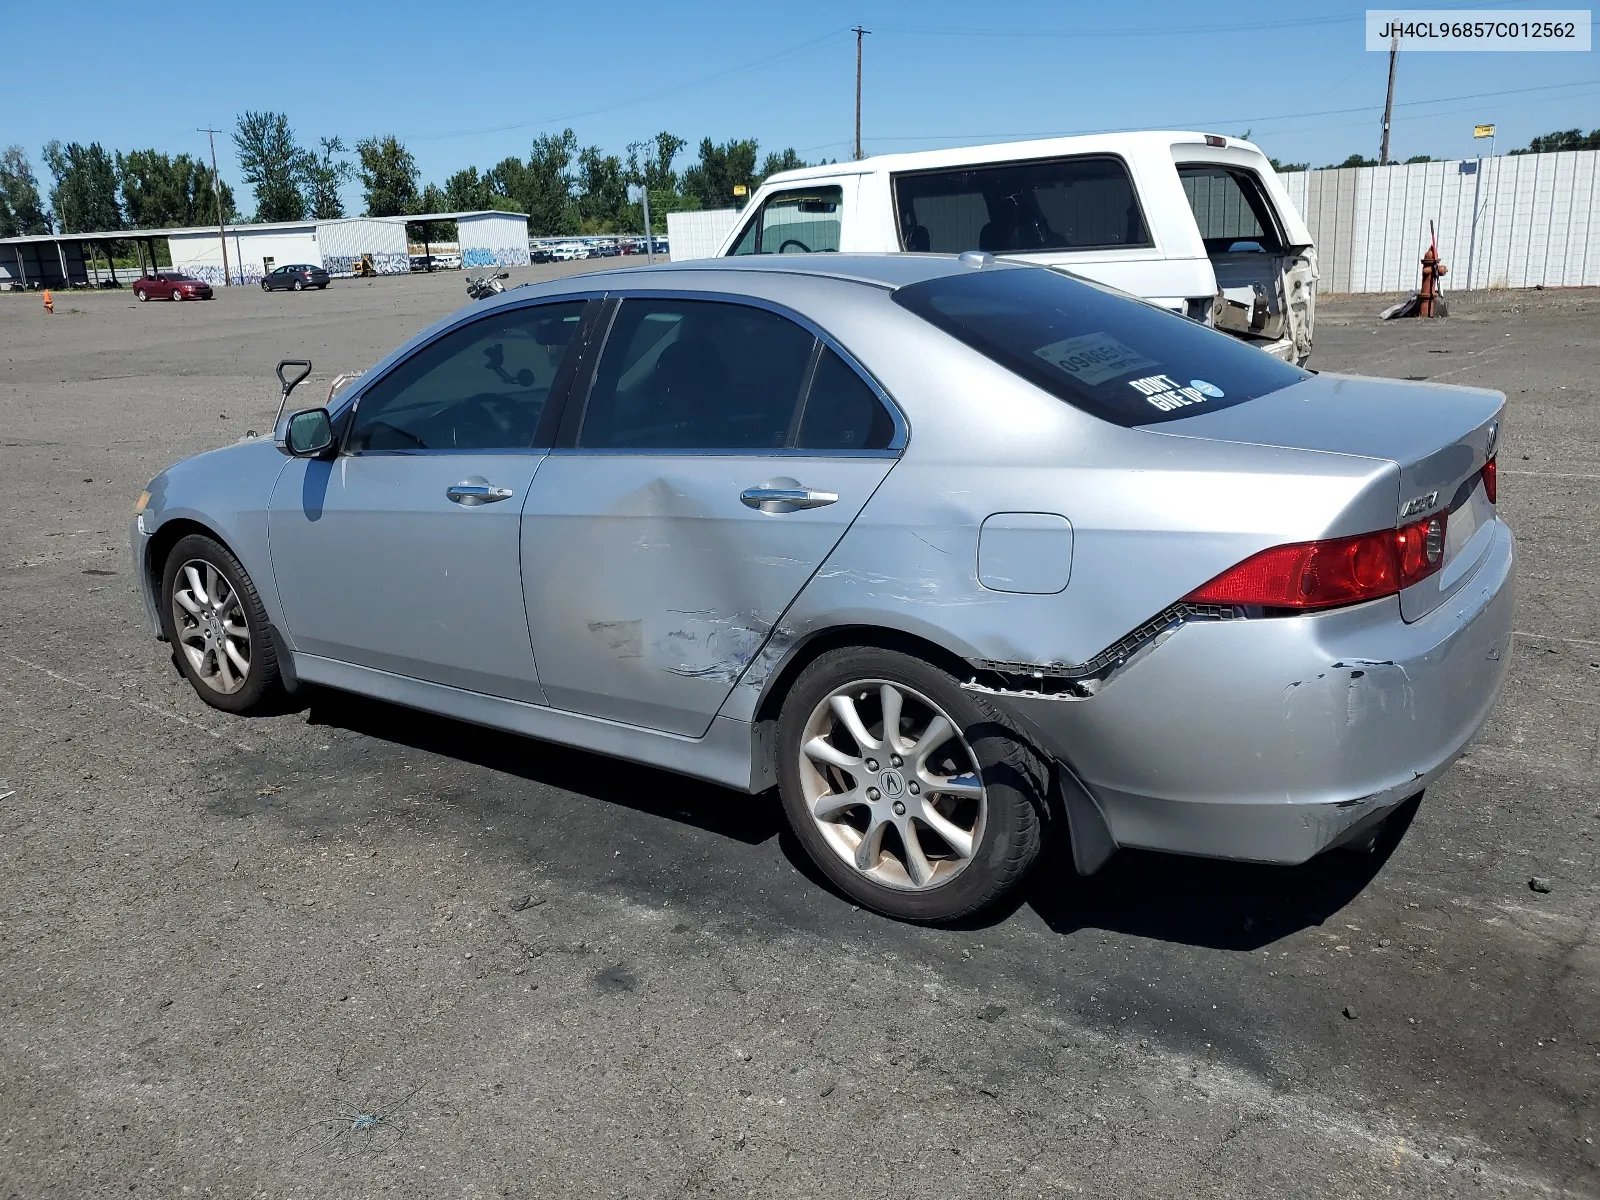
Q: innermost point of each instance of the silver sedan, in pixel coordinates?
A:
(947, 550)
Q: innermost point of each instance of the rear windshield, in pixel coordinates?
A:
(1021, 207)
(1116, 358)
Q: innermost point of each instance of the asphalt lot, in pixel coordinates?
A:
(541, 973)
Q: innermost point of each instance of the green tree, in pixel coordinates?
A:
(1419, 158)
(721, 168)
(389, 175)
(602, 200)
(1565, 139)
(85, 191)
(650, 163)
(160, 191)
(788, 160)
(467, 191)
(1355, 160)
(272, 164)
(21, 209)
(542, 186)
(324, 174)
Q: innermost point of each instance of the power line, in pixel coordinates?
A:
(828, 39)
(1216, 122)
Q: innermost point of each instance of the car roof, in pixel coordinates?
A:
(999, 152)
(888, 271)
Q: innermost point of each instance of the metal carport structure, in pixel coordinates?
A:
(59, 260)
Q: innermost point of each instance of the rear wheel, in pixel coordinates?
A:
(217, 627)
(296, 285)
(913, 797)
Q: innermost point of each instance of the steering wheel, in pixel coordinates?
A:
(784, 249)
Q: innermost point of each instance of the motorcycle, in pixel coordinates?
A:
(485, 286)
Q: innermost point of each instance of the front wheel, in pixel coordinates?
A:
(140, 295)
(217, 627)
(174, 294)
(913, 797)
(265, 286)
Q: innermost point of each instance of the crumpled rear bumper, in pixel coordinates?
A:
(1273, 739)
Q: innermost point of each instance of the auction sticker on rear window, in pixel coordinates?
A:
(1164, 392)
(1094, 358)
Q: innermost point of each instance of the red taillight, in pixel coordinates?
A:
(1326, 574)
(1490, 483)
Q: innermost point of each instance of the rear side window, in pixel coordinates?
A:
(696, 374)
(1230, 209)
(1113, 357)
(1017, 208)
(841, 411)
(797, 222)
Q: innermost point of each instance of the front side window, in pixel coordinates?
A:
(1085, 203)
(796, 222)
(696, 374)
(1116, 358)
(1229, 208)
(482, 386)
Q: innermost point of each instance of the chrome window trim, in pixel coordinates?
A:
(736, 452)
(347, 411)
(902, 427)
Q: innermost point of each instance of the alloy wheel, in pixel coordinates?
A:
(891, 784)
(212, 631)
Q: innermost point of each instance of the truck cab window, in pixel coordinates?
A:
(803, 221)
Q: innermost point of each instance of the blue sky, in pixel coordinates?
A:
(487, 77)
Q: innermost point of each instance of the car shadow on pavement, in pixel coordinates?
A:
(658, 793)
(1208, 902)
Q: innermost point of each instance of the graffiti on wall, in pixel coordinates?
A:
(482, 256)
(343, 265)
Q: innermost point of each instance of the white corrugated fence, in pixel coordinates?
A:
(1514, 221)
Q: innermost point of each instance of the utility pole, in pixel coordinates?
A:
(1388, 105)
(860, 33)
(216, 186)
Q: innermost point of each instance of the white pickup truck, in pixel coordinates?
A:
(1195, 222)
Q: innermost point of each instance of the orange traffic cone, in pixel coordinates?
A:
(49, 304)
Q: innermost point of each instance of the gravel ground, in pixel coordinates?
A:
(354, 950)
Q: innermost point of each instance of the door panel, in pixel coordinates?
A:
(376, 565)
(651, 585)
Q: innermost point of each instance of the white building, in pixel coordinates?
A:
(254, 250)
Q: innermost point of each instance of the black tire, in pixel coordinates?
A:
(1015, 778)
(262, 689)
(265, 286)
(140, 295)
(296, 286)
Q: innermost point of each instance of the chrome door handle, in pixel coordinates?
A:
(472, 494)
(786, 499)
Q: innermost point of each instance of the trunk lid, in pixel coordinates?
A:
(1439, 436)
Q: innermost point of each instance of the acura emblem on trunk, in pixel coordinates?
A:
(1418, 504)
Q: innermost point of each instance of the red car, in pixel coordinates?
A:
(171, 285)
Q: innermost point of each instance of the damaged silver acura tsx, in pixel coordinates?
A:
(938, 546)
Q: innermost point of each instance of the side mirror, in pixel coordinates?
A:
(305, 434)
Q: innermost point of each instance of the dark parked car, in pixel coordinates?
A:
(542, 255)
(171, 285)
(294, 277)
